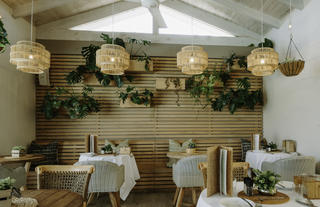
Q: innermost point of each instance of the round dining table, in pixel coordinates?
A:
(54, 198)
(214, 200)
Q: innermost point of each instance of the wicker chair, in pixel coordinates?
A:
(240, 171)
(187, 175)
(65, 177)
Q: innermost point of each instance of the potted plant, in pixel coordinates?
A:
(6, 186)
(291, 67)
(131, 98)
(271, 147)
(191, 148)
(17, 151)
(265, 181)
(107, 149)
(3, 37)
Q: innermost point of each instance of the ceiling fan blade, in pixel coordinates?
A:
(156, 14)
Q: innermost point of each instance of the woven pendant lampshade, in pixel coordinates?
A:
(112, 59)
(263, 61)
(192, 60)
(30, 57)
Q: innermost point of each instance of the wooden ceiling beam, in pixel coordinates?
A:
(248, 11)
(211, 19)
(39, 6)
(297, 4)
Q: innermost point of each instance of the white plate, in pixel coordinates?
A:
(235, 202)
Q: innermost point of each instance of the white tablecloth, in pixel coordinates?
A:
(255, 159)
(130, 169)
(213, 201)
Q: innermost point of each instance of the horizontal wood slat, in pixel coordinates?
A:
(148, 129)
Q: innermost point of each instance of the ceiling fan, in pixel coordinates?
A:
(153, 7)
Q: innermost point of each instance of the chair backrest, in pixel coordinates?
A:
(190, 164)
(107, 177)
(289, 167)
(65, 177)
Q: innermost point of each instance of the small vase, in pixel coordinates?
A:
(268, 192)
(190, 150)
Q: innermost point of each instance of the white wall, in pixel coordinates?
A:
(292, 110)
(17, 91)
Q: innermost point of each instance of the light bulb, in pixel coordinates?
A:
(191, 60)
(112, 59)
(30, 56)
(262, 61)
(290, 26)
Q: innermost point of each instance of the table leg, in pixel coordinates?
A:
(113, 199)
(175, 196)
(194, 196)
(27, 169)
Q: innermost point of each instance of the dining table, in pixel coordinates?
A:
(214, 200)
(54, 198)
(131, 171)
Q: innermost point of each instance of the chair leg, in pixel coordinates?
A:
(91, 197)
(175, 196)
(113, 199)
(194, 196)
(180, 197)
(117, 194)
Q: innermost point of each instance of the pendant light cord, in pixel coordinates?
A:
(192, 32)
(31, 36)
(112, 23)
(262, 19)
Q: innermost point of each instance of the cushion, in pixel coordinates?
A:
(19, 174)
(245, 146)
(50, 151)
(175, 146)
(116, 148)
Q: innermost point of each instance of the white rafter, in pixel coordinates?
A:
(41, 5)
(248, 11)
(298, 4)
(211, 19)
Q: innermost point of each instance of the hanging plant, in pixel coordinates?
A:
(239, 98)
(177, 85)
(240, 60)
(4, 42)
(78, 106)
(136, 97)
(203, 85)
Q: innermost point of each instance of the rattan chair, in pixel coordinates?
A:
(240, 171)
(65, 177)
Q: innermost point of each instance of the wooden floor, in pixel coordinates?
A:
(138, 199)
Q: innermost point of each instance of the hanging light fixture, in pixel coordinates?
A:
(112, 59)
(28, 56)
(192, 60)
(263, 61)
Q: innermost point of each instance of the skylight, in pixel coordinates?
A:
(139, 20)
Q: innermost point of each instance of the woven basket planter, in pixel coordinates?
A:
(292, 68)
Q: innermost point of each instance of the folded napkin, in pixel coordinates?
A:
(24, 202)
(235, 202)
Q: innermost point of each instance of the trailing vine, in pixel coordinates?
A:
(4, 42)
(136, 97)
(176, 82)
(78, 106)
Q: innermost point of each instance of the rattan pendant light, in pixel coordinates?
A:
(28, 56)
(112, 59)
(263, 61)
(192, 60)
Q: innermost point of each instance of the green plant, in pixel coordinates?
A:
(176, 83)
(203, 85)
(267, 43)
(136, 97)
(3, 37)
(241, 60)
(272, 145)
(266, 180)
(78, 106)
(191, 145)
(6, 183)
(107, 148)
(241, 97)
(147, 60)
(20, 148)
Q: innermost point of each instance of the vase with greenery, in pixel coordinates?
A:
(239, 98)
(4, 42)
(265, 181)
(107, 149)
(17, 151)
(6, 186)
(271, 146)
(77, 106)
(191, 149)
(136, 97)
(203, 85)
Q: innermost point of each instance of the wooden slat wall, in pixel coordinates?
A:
(148, 129)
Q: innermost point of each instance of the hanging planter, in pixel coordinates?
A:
(291, 68)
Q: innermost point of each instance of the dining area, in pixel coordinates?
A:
(139, 103)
